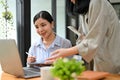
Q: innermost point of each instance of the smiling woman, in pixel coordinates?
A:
(48, 40)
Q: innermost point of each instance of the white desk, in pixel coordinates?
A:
(5, 76)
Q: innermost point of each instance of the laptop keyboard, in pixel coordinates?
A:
(31, 71)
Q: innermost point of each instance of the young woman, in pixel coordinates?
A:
(48, 41)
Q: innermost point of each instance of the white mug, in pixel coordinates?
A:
(45, 73)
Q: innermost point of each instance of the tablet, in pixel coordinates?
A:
(39, 64)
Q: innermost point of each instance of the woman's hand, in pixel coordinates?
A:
(31, 59)
(61, 53)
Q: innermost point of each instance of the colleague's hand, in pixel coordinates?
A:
(31, 59)
(60, 53)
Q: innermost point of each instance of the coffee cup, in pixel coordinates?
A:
(45, 73)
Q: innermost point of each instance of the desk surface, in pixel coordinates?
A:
(5, 76)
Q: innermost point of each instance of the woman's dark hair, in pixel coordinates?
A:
(43, 14)
(80, 7)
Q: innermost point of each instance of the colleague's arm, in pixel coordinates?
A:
(61, 53)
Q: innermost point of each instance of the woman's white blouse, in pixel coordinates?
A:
(39, 50)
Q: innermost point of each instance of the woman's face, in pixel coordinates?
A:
(73, 1)
(44, 28)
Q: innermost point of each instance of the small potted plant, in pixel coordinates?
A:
(67, 69)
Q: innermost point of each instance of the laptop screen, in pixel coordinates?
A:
(9, 57)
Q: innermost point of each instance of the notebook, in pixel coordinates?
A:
(10, 60)
(93, 75)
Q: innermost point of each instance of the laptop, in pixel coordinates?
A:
(11, 63)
